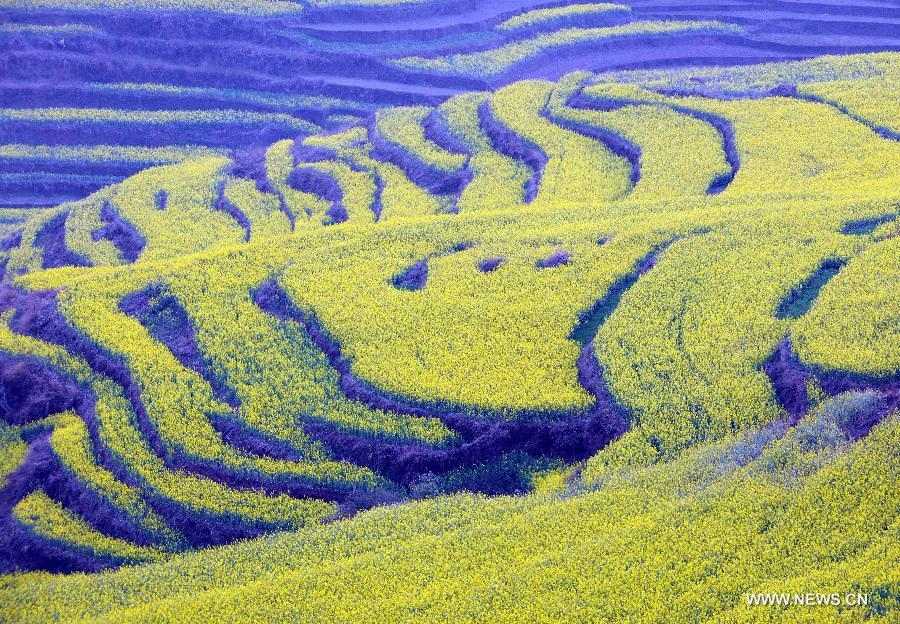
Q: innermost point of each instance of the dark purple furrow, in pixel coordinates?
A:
(559, 257)
(510, 144)
(161, 199)
(42, 470)
(30, 390)
(590, 320)
(721, 124)
(238, 434)
(312, 154)
(488, 265)
(438, 132)
(568, 436)
(127, 239)
(36, 315)
(11, 241)
(613, 141)
(20, 548)
(437, 181)
(412, 277)
(415, 276)
(788, 90)
(321, 184)
(859, 227)
(377, 205)
(168, 322)
(51, 239)
(883, 131)
(223, 204)
(250, 163)
(789, 377)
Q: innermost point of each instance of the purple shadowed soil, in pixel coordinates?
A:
(238, 434)
(312, 154)
(438, 132)
(510, 144)
(437, 181)
(883, 131)
(321, 184)
(787, 91)
(168, 322)
(568, 436)
(36, 315)
(127, 239)
(223, 204)
(161, 199)
(613, 141)
(316, 182)
(721, 124)
(861, 227)
(788, 377)
(589, 321)
(336, 214)
(51, 239)
(859, 424)
(250, 163)
(344, 52)
(377, 200)
(415, 276)
(802, 297)
(20, 548)
(30, 390)
(12, 241)
(412, 277)
(570, 440)
(488, 265)
(559, 257)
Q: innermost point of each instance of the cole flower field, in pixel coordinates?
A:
(421, 311)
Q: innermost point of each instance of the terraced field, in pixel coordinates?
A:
(419, 311)
(126, 85)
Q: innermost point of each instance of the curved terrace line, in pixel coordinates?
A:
(802, 296)
(223, 204)
(613, 141)
(37, 315)
(21, 549)
(861, 227)
(120, 232)
(787, 91)
(505, 141)
(164, 317)
(324, 185)
(721, 124)
(485, 436)
(789, 377)
(250, 164)
(57, 480)
(436, 180)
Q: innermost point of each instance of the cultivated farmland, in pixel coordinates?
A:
(414, 311)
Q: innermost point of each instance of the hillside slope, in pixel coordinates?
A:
(281, 384)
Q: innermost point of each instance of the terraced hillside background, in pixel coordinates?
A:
(419, 311)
